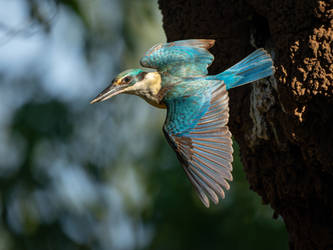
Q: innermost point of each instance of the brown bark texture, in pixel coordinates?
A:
(284, 125)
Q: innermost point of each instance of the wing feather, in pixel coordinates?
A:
(205, 148)
(183, 58)
(204, 182)
(197, 187)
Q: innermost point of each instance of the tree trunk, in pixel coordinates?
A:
(284, 125)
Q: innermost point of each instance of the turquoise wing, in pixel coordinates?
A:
(196, 128)
(184, 58)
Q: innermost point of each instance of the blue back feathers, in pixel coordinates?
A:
(181, 58)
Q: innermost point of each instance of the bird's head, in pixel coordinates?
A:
(130, 82)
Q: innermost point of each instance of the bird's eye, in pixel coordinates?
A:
(127, 79)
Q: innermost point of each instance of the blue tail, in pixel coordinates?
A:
(255, 66)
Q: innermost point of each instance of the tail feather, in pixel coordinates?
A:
(255, 66)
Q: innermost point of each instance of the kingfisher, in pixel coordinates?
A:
(197, 105)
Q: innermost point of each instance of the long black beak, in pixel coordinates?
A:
(107, 93)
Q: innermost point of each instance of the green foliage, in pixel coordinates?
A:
(38, 121)
(72, 4)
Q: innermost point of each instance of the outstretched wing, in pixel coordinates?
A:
(181, 58)
(196, 128)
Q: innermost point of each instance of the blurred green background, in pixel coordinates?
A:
(80, 176)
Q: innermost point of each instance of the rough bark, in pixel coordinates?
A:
(283, 125)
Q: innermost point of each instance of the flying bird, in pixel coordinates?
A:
(197, 105)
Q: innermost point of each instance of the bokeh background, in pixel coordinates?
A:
(81, 176)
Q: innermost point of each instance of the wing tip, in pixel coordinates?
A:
(196, 43)
(209, 43)
(205, 201)
(204, 43)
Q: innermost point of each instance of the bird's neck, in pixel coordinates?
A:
(150, 89)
